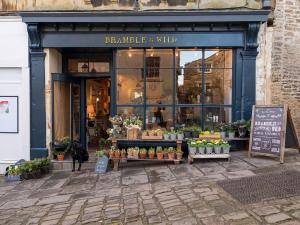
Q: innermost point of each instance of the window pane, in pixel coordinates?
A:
(218, 58)
(160, 89)
(188, 58)
(130, 86)
(218, 86)
(97, 66)
(159, 116)
(188, 116)
(128, 111)
(214, 116)
(86, 65)
(189, 86)
(130, 58)
(163, 58)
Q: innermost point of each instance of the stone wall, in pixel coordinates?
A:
(285, 78)
(55, 5)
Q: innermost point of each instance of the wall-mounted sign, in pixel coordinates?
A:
(9, 114)
(140, 39)
(269, 130)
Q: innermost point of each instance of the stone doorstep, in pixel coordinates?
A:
(67, 165)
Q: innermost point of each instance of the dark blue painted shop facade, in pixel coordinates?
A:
(224, 29)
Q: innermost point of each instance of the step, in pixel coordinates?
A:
(67, 165)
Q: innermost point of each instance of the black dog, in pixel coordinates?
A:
(79, 153)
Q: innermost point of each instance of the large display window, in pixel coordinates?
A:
(175, 87)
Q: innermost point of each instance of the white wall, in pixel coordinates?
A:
(14, 81)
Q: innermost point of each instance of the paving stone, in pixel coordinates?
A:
(291, 222)
(19, 204)
(154, 219)
(239, 174)
(185, 221)
(291, 207)
(152, 212)
(235, 216)
(50, 222)
(211, 197)
(54, 200)
(275, 218)
(265, 210)
(296, 214)
(213, 220)
(205, 212)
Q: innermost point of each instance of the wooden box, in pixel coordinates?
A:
(148, 137)
(133, 133)
(210, 136)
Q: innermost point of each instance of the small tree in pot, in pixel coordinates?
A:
(179, 154)
(151, 153)
(171, 153)
(159, 153)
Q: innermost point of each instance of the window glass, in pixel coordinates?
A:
(159, 117)
(88, 65)
(128, 111)
(218, 58)
(188, 116)
(130, 58)
(216, 115)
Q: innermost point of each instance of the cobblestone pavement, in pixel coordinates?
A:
(150, 194)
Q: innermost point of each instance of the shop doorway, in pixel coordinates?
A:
(97, 110)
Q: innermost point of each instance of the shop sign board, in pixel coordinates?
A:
(101, 165)
(269, 130)
(9, 122)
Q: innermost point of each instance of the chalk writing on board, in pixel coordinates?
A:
(267, 127)
(101, 165)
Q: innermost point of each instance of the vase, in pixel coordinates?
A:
(226, 150)
(166, 137)
(201, 150)
(217, 149)
(209, 150)
(192, 150)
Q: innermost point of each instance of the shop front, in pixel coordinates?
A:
(172, 69)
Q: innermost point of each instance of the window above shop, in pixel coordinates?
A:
(86, 65)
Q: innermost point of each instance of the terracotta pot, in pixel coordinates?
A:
(179, 156)
(160, 156)
(111, 155)
(171, 156)
(151, 156)
(60, 157)
(143, 156)
(123, 155)
(166, 155)
(117, 155)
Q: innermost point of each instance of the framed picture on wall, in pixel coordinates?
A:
(9, 114)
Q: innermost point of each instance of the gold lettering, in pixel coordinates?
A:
(125, 39)
(113, 40)
(159, 40)
(137, 40)
(131, 40)
(107, 40)
(119, 40)
(143, 40)
(152, 40)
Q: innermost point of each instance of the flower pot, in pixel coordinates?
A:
(143, 156)
(192, 150)
(123, 155)
(60, 157)
(151, 156)
(231, 135)
(171, 156)
(217, 149)
(117, 155)
(166, 137)
(223, 134)
(173, 137)
(11, 178)
(179, 156)
(242, 132)
(180, 137)
(111, 155)
(160, 156)
(226, 150)
(201, 150)
(209, 150)
(166, 155)
(187, 134)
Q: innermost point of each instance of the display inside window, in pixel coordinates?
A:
(88, 66)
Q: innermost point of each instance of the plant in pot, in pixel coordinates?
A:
(222, 128)
(159, 153)
(166, 151)
(60, 155)
(123, 153)
(196, 131)
(117, 153)
(173, 135)
(217, 146)
(180, 135)
(201, 146)
(151, 153)
(145, 133)
(225, 147)
(171, 153)
(192, 147)
(187, 132)
(209, 147)
(166, 135)
(136, 151)
(241, 126)
(13, 173)
(143, 153)
(45, 165)
(231, 130)
(179, 154)
(112, 152)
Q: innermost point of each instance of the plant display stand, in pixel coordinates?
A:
(191, 157)
(117, 162)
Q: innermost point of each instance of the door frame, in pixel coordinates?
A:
(63, 77)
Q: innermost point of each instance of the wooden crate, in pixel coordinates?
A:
(210, 136)
(147, 137)
(133, 133)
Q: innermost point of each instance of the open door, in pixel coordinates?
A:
(68, 108)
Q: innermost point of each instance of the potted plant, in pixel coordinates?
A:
(222, 128)
(151, 153)
(151, 132)
(123, 153)
(196, 131)
(112, 152)
(166, 151)
(143, 153)
(60, 156)
(136, 151)
(145, 133)
(217, 146)
(225, 147)
(209, 148)
(180, 135)
(45, 165)
(117, 153)
(231, 130)
(192, 147)
(159, 153)
(201, 146)
(166, 135)
(171, 153)
(60, 147)
(173, 135)
(187, 132)
(179, 154)
(13, 173)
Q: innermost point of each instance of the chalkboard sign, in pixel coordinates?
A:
(101, 165)
(268, 129)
